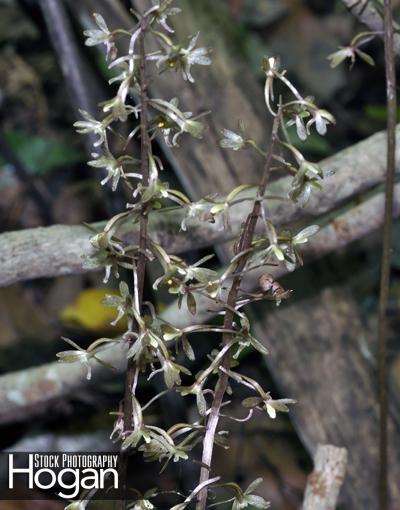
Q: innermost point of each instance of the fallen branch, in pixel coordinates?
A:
(324, 483)
(58, 250)
(30, 392)
(365, 11)
(339, 232)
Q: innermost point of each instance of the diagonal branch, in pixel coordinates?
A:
(366, 12)
(58, 250)
(38, 388)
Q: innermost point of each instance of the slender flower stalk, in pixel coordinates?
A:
(244, 244)
(145, 152)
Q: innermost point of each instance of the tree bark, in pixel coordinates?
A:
(326, 480)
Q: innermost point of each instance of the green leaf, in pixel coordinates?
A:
(378, 113)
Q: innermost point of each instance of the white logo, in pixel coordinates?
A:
(72, 473)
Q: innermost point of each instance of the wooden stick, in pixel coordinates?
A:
(325, 481)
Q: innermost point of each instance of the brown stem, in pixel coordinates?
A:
(245, 241)
(387, 236)
(145, 149)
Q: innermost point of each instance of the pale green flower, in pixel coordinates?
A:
(114, 167)
(232, 140)
(163, 12)
(172, 373)
(321, 119)
(83, 356)
(307, 177)
(268, 404)
(247, 499)
(292, 252)
(170, 129)
(102, 35)
(281, 405)
(91, 125)
(177, 57)
(349, 52)
(184, 123)
(123, 303)
(77, 356)
(199, 210)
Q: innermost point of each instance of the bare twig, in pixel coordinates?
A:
(324, 483)
(387, 238)
(245, 241)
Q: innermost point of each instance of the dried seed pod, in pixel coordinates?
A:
(266, 282)
(277, 288)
